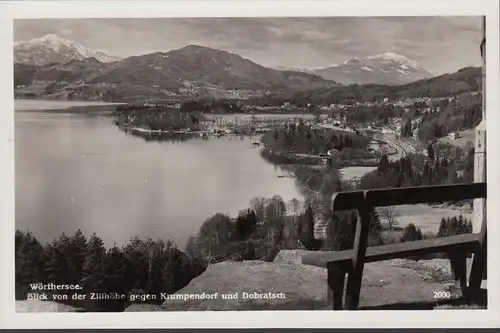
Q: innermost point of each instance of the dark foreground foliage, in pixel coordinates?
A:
(141, 267)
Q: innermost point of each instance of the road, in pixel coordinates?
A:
(402, 148)
(332, 127)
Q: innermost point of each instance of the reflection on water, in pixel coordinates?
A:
(77, 171)
(162, 137)
(36, 104)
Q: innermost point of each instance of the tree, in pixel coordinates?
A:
(306, 231)
(389, 215)
(430, 151)
(258, 205)
(406, 129)
(453, 226)
(57, 264)
(275, 207)
(294, 206)
(92, 274)
(75, 251)
(375, 228)
(426, 132)
(291, 231)
(114, 268)
(245, 224)
(275, 213)
(29, 263)
(411, 233)
(136, 253)
(342, 228)
(214, 235)
(383, 165)
(333, 139)
(192, 247)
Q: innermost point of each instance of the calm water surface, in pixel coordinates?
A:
(79, 171)
(33, 104)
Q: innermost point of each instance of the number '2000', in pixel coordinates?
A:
(442, 294)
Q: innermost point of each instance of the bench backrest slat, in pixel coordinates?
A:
(408, 195)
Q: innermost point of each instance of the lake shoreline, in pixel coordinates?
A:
(85, 170)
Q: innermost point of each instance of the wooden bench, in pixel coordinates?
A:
(351, 262)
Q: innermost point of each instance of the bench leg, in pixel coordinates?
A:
(458, 262)
(336, 278)
(353, 289)
(358, 261)
(478, 270)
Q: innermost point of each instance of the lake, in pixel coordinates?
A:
(34, 104)
(78, 170)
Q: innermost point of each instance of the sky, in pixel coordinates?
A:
(441, 44)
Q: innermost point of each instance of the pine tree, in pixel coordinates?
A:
(93, 277)
(29, 263)
(307, 229)
(454, 226)
(430, 151)
(343, 229)
(333, 139)
(245, 225)
(136, 254)
(57, 265)
(114, 268)
(375, 228)
(383, 165)
(75, 252)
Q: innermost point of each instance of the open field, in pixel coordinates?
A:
(351, 172)
(464, 138)
(426, 217)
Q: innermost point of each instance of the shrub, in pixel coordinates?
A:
(411, 233)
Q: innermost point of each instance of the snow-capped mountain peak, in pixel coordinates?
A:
(51, 48)
(397, 58)
(385, 68)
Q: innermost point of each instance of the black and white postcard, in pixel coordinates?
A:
(165, 159)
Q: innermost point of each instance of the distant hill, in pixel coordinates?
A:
(388, 68)
(190, 71)
(197, 66)
(54, 49)
(468, 79)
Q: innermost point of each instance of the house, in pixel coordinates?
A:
(332, 152)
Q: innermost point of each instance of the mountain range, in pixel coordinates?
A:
(387, 68)
(52, 67)
(465, 80)
(54, 49)
(191, 71)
